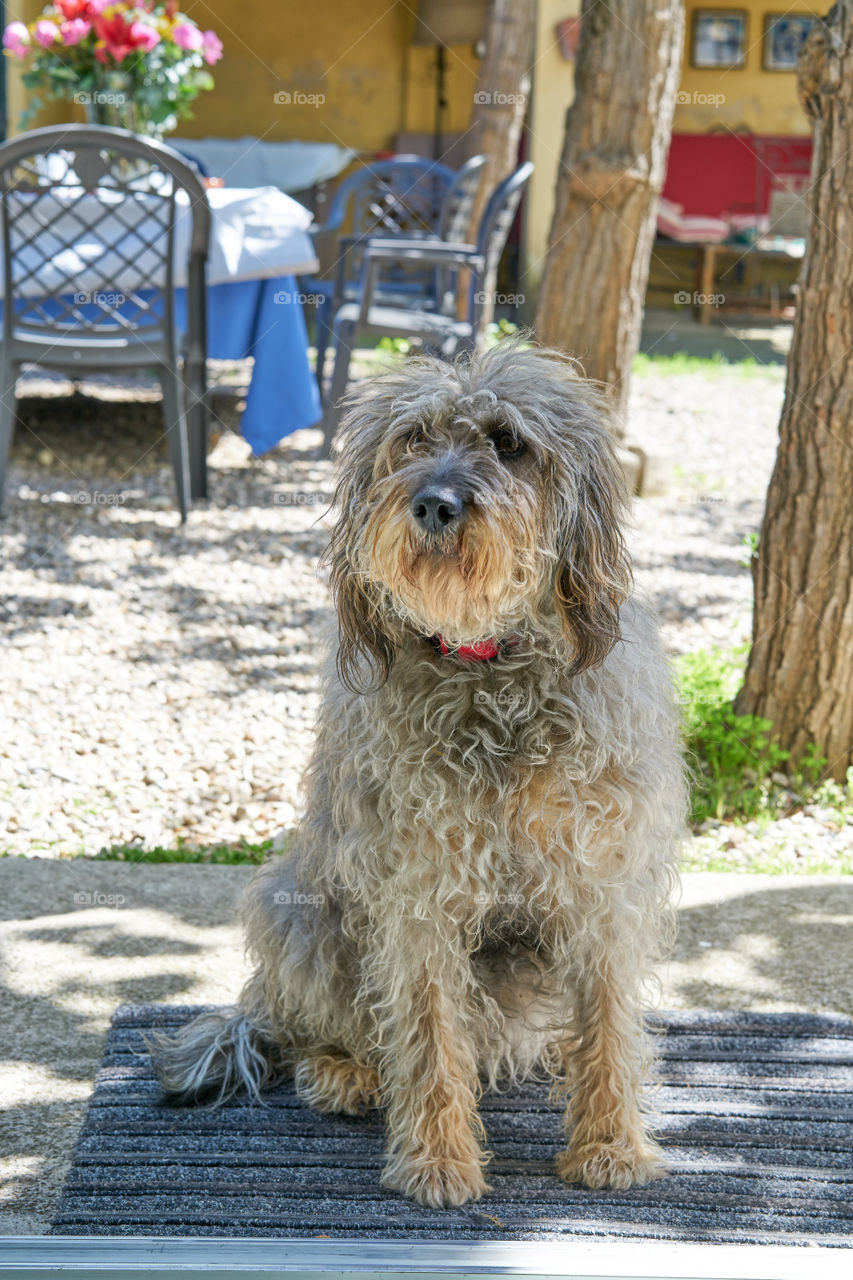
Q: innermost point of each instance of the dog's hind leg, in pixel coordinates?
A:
(331, 1080)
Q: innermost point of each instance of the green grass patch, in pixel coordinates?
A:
(775, 861)
(711, 366)
(238, 854)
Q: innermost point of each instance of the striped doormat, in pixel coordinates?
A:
(755, 1110)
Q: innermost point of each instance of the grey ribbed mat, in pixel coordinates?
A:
(755, 1110)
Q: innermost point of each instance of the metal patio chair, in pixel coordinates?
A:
(89, 220)
(439, 331)
(404, 195)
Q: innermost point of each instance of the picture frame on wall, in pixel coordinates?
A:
(718, 39)
(784, 36)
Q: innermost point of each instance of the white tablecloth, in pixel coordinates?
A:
(246, 162)
(256, 234)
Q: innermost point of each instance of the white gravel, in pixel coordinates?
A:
(159, 683)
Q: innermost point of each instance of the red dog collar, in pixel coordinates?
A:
(481, 651)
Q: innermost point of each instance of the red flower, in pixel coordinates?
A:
(71, 9)
(117, 35)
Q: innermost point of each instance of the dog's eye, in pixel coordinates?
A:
(509, 445)
(415, 438)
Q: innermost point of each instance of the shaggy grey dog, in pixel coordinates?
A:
(480, 886)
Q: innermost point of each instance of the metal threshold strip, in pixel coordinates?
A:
(160, 1258)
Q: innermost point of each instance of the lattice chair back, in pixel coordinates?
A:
(399, 196)
(459, 201)
(493, 232)
(92, 238)
(402, 196)
(99, 226)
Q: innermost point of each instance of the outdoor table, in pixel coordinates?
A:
(259, 243)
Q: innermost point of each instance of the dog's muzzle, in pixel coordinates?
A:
(436, 507)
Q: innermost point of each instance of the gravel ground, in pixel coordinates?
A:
(159, 683)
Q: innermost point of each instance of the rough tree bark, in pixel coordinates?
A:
(500, 102)
(611, 171)
(800, 672)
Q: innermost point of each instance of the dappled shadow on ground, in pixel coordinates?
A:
(79, 939)
(788, 945)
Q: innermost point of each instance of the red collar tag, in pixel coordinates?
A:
(482, 651)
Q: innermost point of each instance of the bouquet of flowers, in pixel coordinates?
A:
(136, 65)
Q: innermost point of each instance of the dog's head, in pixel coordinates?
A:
(475, 500)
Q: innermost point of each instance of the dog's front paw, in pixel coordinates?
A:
(438, 1182)
(617, 1164)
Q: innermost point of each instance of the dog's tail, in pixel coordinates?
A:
(215, 1056)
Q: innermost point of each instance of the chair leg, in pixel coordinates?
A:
(198, 414)
(344, 341)
(8, 384)
(175, 420)
(323, 323)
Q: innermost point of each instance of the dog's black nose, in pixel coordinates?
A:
(436, 507)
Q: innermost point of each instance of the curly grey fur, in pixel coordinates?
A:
(481, 884)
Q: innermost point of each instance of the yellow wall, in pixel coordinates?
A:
(354, 62)
(754, 100)
(553, 90)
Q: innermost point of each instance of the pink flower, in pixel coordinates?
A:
(16, 38)
(98, 6)
(74, 31)
(46, 33)
(187, 36)
(211, 47)
(144, 36)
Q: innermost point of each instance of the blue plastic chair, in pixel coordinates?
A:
(439, 330)
(402, 196)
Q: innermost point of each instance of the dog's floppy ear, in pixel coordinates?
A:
(593, 574)
(365, 650)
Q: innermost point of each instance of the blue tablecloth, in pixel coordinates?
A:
(264, 319)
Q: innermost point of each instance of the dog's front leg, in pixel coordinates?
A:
(607, 1066)
(429, 1066)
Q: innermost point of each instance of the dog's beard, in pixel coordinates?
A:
(466, 584)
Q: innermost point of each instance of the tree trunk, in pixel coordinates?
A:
(500, 103)
(800, 672)
(611, 173)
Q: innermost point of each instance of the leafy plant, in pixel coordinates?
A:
(749, 543)
(734, 756)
